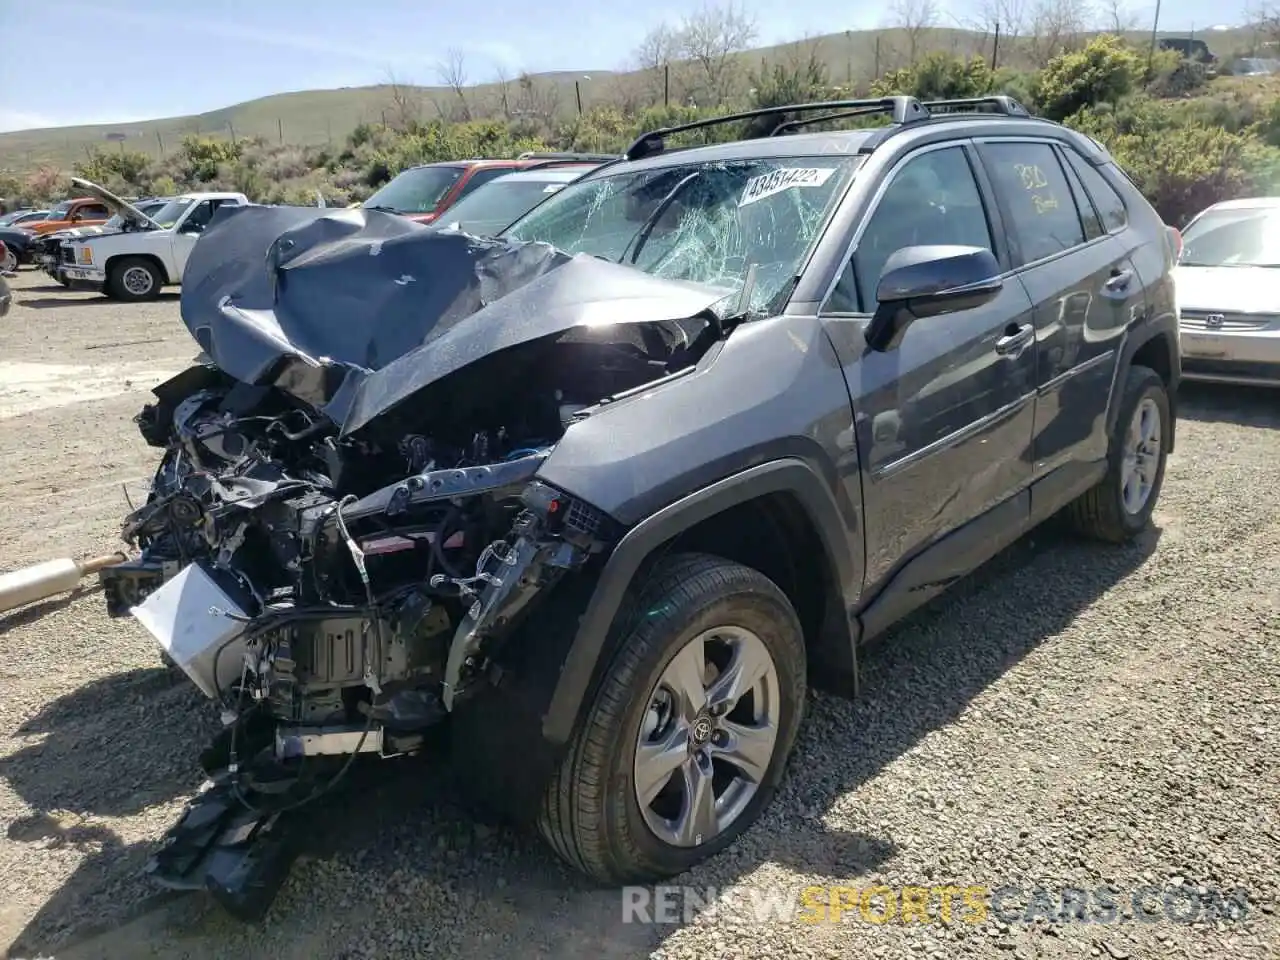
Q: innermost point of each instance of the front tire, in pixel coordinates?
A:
(1120, 506)
(687, 736)
(9, 262)
(133, 279)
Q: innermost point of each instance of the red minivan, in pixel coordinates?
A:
(423, 193)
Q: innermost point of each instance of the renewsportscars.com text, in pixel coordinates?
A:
(972, 905)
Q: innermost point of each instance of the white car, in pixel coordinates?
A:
(136, 264)
(1228, 282)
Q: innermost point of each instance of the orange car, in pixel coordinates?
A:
(81, 212)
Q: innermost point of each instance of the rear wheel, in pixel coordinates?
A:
(1120, 506)
(133, 279)
(687, 738)
(9, 262)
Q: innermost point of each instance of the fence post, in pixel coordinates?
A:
(666, 84)
(877, 65)
(232, 127)
(995, 48)
(280, 130)
(160, 141)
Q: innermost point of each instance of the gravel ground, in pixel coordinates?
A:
(1072, 716)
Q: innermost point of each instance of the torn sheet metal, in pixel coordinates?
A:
(354, 311)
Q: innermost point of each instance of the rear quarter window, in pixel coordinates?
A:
(1106, 198)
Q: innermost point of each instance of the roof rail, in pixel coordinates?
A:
(1005, 106)
(788, 125)
(900, 109)
(585, 157)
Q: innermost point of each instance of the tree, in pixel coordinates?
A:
(712, 38)
(452, 72)
(915, 18)
(1009, 17)
(406, 102)
(502, 83)
(658, 60)
(1117, 17)
(1057, 26)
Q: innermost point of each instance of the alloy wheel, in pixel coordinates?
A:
(1141, 457)
(708, 736)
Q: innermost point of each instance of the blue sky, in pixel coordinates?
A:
(153, 59)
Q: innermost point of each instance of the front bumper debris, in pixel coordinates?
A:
(240, 856)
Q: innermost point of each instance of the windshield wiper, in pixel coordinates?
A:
(382, 208)
(646, 228)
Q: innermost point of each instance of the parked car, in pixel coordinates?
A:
(424, 193)
(603, 499)
(499, 203)
(19, 217)
(1191, 48)
(1228, 278)
(80, 212)
(1253, 67)
(135, 264)
(18, 241)
(47, 250)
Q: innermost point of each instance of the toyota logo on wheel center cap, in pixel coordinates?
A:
(701, 730)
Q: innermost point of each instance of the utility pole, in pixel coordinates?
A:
(995, 48)
(1155, 26)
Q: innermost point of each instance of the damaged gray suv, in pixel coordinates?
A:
(597, 500)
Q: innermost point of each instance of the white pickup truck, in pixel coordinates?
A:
(137, 262)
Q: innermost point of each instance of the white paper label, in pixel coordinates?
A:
(767, 184)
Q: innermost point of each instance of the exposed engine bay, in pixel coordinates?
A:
(340, 590)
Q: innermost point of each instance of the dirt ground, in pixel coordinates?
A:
(1072, 716)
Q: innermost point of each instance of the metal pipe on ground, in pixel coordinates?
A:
(20, 587)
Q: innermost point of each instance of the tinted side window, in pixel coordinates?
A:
(1037, 196)
(481, 177)
(199, 218)
(1105, 198)
(932, 199)
(1088, 215)
(93, 211)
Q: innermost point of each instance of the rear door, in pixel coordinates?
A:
(943, 420)
(1085, 292)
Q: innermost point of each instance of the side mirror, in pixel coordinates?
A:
(929, 281)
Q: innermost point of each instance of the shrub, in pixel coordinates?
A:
(939, 76)
(1105, 71)
(1182, 167)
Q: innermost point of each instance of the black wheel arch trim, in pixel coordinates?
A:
(788, 475)
(1138, 338)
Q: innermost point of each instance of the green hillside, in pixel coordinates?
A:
(313, 117)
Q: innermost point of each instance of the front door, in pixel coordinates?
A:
(186, 233)
(943, 420)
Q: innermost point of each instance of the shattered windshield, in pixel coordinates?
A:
(1233, 238)
(705, 222)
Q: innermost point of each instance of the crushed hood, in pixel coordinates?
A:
(354, 311)
(115, 204)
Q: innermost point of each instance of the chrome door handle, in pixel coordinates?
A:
(1015, 338)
